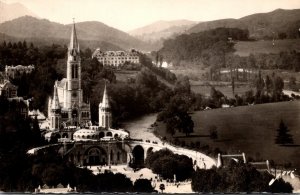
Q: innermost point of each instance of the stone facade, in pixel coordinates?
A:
(116, 58)
(99, 153)
(13, 71)
(7, 89)
(66, 107)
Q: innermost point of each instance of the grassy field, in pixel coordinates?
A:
(244, 48)
(124, 75)
(226, 90)
(249, 129)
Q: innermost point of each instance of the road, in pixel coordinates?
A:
(141, 129)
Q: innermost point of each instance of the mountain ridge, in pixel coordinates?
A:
(260, 25)
(14, 10)
(28, 27)
(160, 26)
(156, 32)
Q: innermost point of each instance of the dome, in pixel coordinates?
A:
(85, 134)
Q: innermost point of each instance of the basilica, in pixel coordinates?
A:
(69, 117)
(66, 107)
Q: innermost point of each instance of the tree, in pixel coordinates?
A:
(142, 185)
(268, 84)
(36, 132)
(182, 85)
(167, 164)
(232, 85)
(278, 85)
(213, 132)
(283, 137)
(259, 85)
(206, 181)
(186, 124)
(282, 35)
(293, 84)
(162, 187)
(171, 125)
(236, 177)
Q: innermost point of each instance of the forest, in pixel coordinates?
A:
(215, 48)
(202, 47)
(127, 100)
(237, 177)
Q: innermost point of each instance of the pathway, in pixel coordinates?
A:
(141, 129)
(145, 173)
(289, 92)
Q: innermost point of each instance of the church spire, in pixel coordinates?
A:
(105, 103)
(55, 102)
(105, 118)
(74, 46)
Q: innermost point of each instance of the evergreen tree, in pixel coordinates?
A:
(162, 187)
(283, 136)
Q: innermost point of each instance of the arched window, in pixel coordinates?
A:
(73, 72)
(101, 134)
(76, 71)
(106, 118)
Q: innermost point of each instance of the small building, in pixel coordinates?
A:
(116, 58)
(7, 89)
(20, 105)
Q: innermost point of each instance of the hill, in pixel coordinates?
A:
(159, 26)
(13, 10)
(156, 32)
(43, 30)
(261, 25)
(249, 129)
(206, 47)
(245, 48)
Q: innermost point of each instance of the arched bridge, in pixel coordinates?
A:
(130, 149)
(140, 149)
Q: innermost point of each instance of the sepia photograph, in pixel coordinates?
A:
(149, 96)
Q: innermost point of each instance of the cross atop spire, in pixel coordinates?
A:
(74, 46)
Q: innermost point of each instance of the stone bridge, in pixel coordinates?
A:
(140, 150)
(120, 152)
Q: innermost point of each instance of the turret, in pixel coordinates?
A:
(105, 102)
(105, 118)
(55, 115)
(55, 102)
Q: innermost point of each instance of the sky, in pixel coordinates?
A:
(130, 14)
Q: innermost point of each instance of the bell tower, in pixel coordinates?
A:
(74, 92)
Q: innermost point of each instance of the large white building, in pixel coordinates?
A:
(13, 71)
(66, 107)
(116, 58)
